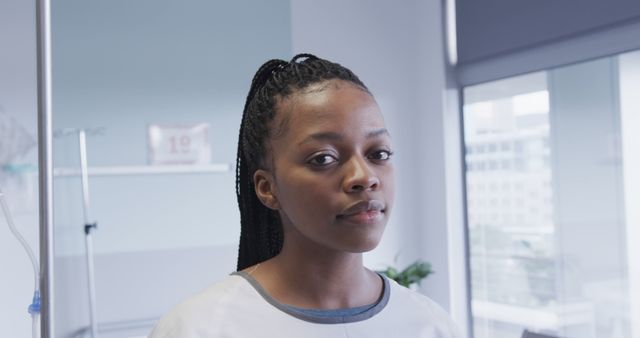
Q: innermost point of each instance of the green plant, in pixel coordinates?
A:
(412, 274)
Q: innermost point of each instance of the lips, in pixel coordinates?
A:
(363, 211)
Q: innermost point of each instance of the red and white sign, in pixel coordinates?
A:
(179, 144)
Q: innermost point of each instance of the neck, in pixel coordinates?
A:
(307, 275)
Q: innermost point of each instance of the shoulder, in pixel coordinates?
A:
(414, 299)
(201, 312)
(419, 307)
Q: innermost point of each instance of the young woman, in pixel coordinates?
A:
(315, 185)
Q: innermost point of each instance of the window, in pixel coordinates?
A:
(557, 253)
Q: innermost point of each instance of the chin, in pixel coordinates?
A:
(364, 244)
(368, 248)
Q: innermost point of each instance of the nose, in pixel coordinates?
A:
(360, 176)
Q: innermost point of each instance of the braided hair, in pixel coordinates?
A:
(261, 234)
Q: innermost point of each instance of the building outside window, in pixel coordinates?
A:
(551, 186)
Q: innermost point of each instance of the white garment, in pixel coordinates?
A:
(237, 307)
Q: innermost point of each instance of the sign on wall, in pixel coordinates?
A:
(179, 144)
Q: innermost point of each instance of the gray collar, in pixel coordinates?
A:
(380, 304)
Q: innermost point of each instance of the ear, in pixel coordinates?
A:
(265, 187)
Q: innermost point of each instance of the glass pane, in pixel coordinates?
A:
(159, 89)
(19, 184)
(548, 232)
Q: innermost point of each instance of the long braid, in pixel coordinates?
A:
(261, 234)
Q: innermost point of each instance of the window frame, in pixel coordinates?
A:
(606, 42)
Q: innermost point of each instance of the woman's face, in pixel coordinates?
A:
(331, 177)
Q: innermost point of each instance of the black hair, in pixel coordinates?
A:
(261, 234)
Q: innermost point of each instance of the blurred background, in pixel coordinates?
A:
(515, 126)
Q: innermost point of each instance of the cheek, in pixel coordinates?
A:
(306, 199)
(388, 186)
(388, 178)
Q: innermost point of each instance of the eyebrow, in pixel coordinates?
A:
(333, 136)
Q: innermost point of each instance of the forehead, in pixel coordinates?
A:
(334, 105)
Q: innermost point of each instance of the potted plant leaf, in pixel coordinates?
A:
(411, 276)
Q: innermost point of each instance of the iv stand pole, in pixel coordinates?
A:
(45, 166)
(88, 228)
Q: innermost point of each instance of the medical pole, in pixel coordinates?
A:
(88, 228)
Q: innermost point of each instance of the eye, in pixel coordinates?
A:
(381, 155)
(323, 160)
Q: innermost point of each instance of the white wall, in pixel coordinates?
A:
(18, 100)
